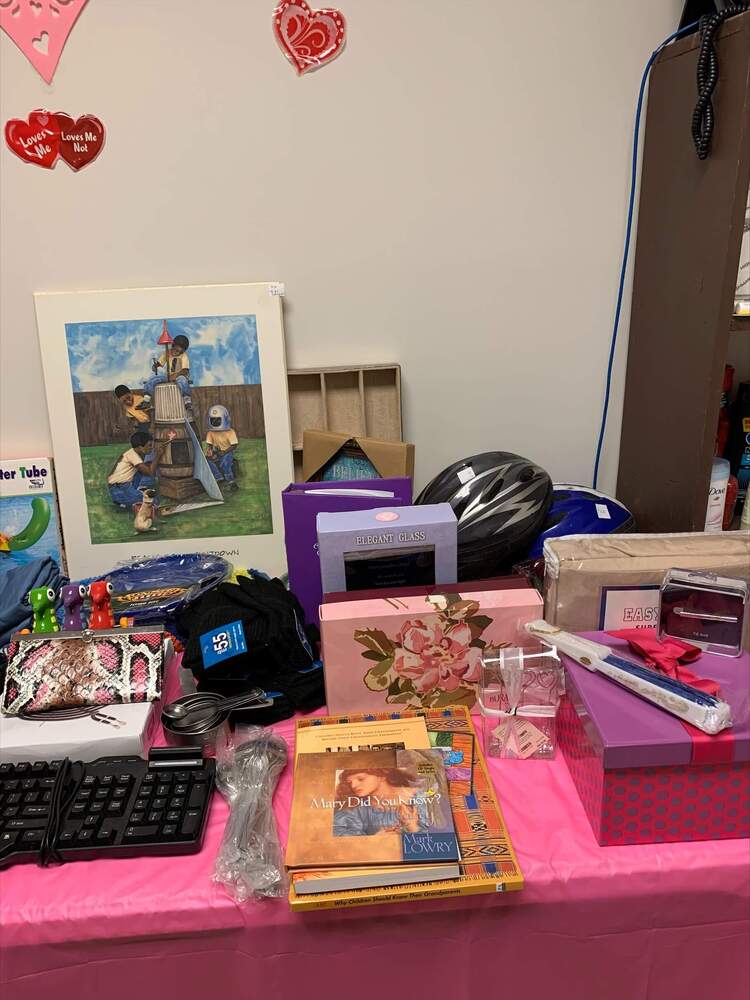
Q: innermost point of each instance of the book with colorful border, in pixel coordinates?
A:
(488, 861)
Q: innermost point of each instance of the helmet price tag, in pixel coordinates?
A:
(466, 474)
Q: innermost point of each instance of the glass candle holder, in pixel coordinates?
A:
(519, 693)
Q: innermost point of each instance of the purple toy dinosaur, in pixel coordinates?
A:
(72, 598)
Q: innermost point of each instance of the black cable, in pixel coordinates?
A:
(48, 853)
(707, 75)
(59, 714)
(47, 847)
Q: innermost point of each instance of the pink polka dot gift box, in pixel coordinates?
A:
(644, 776)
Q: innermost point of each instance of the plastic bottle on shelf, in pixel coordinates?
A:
(717, 493)
(725, 423)
(738, 452)
(730, 503)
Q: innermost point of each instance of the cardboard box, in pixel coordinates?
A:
(641, 777)
(302, 502)
(417, 652)
(390, 458)
(81, 739)
(29, 514)
(612, 581)
(387, 547)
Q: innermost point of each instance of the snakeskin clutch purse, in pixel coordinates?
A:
(69, 670)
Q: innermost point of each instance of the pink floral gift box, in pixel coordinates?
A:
(417, 652)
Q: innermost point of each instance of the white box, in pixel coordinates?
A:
(29, 514)
(80, 739)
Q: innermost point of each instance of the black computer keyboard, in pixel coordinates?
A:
(114, 807)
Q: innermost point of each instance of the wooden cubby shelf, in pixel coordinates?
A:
(363, 400)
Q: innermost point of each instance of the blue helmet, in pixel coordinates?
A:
(579, 510)
(218, 418)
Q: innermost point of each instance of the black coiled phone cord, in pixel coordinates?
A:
(707, 73)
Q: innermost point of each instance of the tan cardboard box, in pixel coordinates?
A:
(612, 581)
(390, 458)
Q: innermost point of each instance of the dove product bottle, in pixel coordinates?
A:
(717, 492)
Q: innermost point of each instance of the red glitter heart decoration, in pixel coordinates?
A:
(81, 140)
(35, 141)
(308, 38)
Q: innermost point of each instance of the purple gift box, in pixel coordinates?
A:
(302, 502)
(642, 775)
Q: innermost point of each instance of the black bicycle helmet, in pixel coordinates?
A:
(500, 501)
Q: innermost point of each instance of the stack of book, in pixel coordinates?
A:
(391, 807)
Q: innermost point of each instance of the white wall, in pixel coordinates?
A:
(448, 194)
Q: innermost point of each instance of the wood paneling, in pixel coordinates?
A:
(689, 232)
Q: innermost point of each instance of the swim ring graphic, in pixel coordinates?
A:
(35, 528)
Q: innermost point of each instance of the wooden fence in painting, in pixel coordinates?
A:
(102, 420)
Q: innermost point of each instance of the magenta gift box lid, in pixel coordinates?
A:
(627, 731)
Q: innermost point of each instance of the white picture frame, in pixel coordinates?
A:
(91, 339)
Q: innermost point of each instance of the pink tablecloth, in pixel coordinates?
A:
(623, 923)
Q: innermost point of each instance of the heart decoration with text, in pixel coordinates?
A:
(40, 29)
(47, 136)
(309, 38)
(81, 141)
(35, 141)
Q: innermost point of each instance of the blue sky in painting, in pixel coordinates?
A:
(223, 351)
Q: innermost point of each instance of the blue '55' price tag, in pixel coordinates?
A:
(222, 644)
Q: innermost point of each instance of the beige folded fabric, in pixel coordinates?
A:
(612, 581)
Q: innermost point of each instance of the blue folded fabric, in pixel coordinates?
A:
(15, 584)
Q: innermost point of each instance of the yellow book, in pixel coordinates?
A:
(325, 880)
(488, 861)
(321, 736)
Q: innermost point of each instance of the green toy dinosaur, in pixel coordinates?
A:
(42, 601)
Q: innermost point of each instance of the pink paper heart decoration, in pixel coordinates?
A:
(40, 29)
(309, 38)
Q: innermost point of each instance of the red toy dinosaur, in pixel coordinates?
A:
(100, 592)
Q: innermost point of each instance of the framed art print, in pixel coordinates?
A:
(170, 422)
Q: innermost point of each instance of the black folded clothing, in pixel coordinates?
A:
(281, 653)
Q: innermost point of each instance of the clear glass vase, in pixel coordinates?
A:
(519, 694)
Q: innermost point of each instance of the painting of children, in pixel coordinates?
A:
(206, 375)
(169, 414)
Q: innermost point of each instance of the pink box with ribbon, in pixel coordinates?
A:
(644, 776)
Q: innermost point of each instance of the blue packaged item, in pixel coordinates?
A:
(345, 467)
(155, 591)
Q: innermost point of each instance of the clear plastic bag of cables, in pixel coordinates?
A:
(249, 762)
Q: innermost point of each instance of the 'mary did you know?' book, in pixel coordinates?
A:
(370, 807)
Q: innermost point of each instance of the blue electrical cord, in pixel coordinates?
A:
(628, 229)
